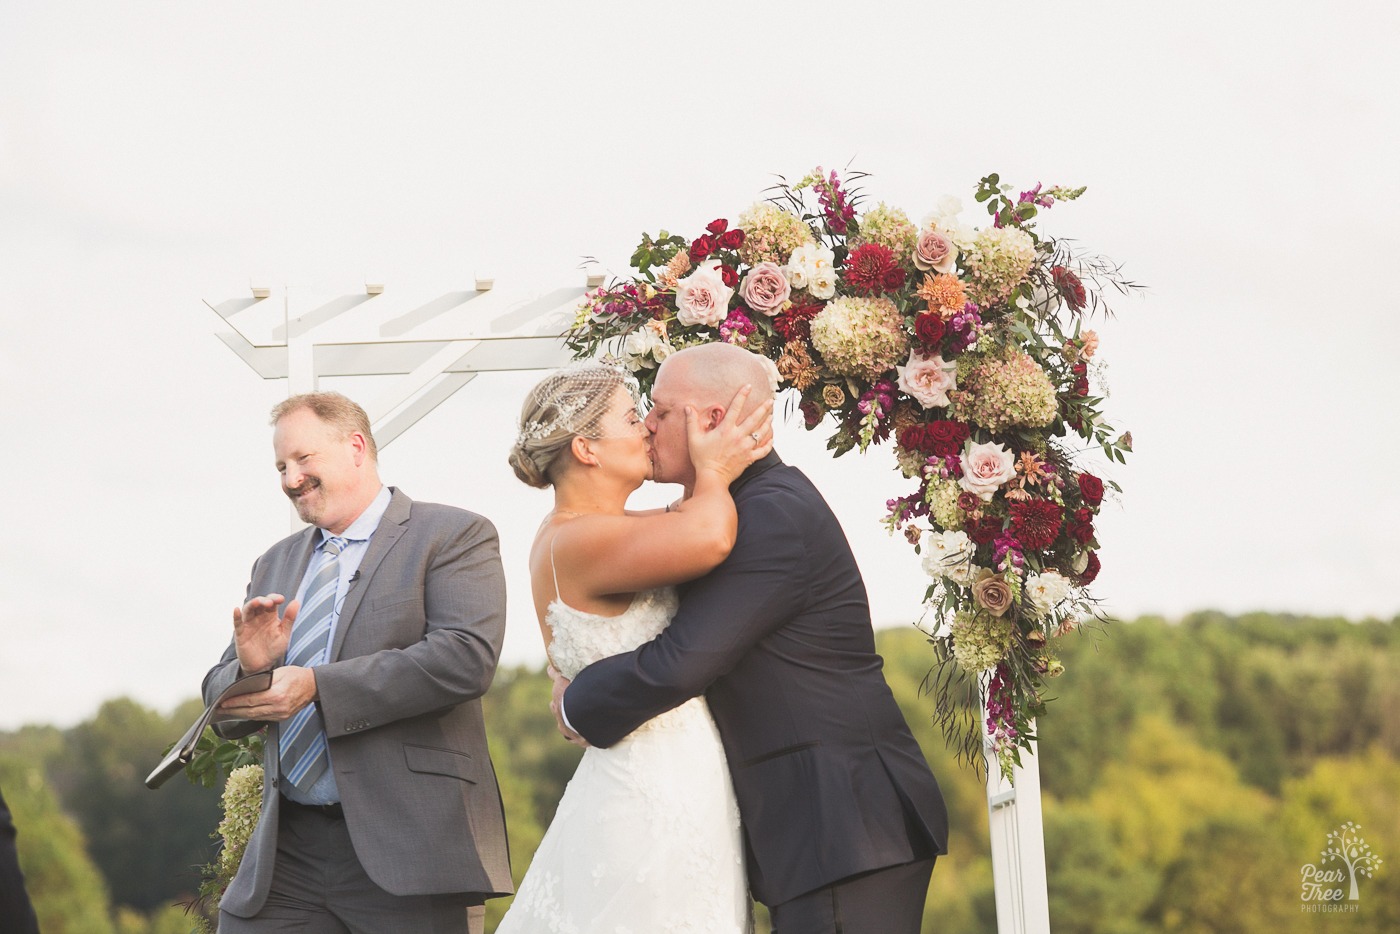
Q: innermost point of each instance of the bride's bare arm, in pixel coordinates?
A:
(604, 555)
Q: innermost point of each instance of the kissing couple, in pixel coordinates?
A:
(717, 659)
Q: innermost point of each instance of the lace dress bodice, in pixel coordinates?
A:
(580, 638)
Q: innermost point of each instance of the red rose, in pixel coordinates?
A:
(969, 502)
(894, 279)
(1092, 570)
(983, 530)
(811, 414)
(1081, 386)
(732, 239)
(947, 437)
(929, 330)
(1070, 287)
(1091, 488)
(717, 227)
(914, 438)
(701, 248)
(1082, 527)
(730, 275)
(1036, 523)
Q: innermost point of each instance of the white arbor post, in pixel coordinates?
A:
(1018, 845)
(435, 346)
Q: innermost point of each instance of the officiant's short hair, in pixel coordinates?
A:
(334, 409)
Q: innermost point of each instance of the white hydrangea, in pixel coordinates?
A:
(949, 554)
(1045, 590)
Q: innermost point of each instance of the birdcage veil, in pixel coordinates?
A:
(567, 403)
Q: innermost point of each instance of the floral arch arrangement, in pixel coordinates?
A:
(962, 348)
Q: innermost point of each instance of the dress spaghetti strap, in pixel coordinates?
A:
(554, 571)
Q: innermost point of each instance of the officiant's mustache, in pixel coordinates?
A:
(310, 483)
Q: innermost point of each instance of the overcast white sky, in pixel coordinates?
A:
(1240, 160)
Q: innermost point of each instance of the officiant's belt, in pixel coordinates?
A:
(334, 811)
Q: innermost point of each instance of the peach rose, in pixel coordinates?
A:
(927, 380)
(935, 251)
(985, 468)
(702, 297)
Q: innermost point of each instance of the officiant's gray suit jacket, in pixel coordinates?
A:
(415, 648)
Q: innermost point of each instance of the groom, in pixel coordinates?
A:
(842, 818)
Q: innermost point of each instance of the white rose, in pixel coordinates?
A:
(1045, 591)
(641, 344)
(823, 284)
(702, 297)
(985, 468)
(949, 554)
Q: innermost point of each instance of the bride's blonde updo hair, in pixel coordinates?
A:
(562, 406)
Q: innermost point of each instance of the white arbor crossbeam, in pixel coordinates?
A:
(434, 347)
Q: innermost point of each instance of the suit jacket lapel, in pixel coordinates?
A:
(391, 529)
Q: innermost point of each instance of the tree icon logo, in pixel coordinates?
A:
(1344, 844)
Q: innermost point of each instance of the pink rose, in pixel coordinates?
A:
(927, 380)
(935, 251)
(702, 298)
(765, 288)
(985, 468)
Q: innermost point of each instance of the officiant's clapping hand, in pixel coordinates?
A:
(260, 632)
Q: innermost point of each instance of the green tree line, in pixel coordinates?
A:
(1190, 769)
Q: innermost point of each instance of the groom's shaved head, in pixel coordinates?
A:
(713, 373)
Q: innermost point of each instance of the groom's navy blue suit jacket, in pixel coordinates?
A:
(830, 781)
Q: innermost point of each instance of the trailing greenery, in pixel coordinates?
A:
(1190, 770)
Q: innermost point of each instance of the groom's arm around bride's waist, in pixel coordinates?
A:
(760, 587)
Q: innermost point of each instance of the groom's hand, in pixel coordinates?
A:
(556, 704)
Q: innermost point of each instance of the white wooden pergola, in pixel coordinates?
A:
(424, 348)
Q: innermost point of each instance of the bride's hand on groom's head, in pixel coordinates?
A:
(736, 440)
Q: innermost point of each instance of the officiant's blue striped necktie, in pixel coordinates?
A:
(303, 741)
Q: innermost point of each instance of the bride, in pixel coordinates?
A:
(646, 836)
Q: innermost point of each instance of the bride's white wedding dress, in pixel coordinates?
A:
(646, 837)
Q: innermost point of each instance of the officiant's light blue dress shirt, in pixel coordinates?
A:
(357, 538)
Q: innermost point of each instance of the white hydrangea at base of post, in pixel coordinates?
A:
(1018, 846)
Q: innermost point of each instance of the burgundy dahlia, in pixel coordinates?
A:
(870, 268)
(1036, 523)
(795, 324)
